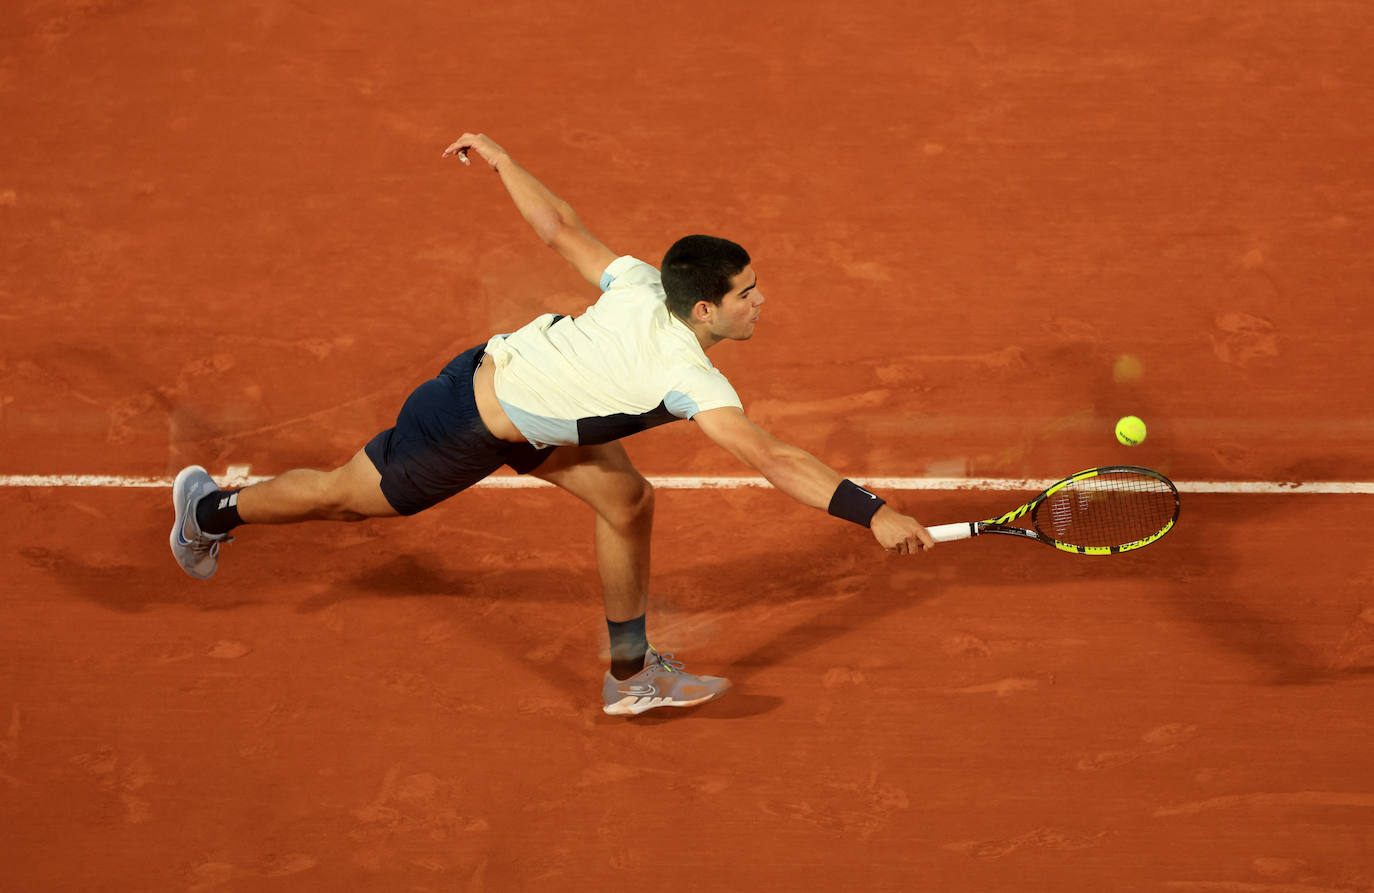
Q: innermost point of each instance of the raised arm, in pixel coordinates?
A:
(807, 479)
(552, 218)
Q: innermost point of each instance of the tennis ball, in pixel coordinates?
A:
(1130, 430)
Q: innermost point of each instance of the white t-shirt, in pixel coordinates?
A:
(624, 365)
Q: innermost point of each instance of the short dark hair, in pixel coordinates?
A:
(699, 268)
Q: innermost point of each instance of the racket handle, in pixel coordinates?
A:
(948, 533)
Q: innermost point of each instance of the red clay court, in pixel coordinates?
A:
(226, 237)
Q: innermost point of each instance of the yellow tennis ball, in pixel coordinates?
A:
(1130, 430)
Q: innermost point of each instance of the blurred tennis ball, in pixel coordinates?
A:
(1127, 368)
(1130, 430)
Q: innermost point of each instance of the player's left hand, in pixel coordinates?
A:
(899, 533)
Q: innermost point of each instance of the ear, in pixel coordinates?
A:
(701, 311)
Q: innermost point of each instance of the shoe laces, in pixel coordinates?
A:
(666, 662)
(203, 544)
(211, 547)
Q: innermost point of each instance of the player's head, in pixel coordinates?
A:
(700, 268)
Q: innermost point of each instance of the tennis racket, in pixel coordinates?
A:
(1101, 511)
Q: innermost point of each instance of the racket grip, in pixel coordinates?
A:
(948, 533)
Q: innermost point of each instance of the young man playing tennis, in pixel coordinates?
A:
(552, 399)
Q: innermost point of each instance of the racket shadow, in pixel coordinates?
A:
(1248, 588)
(1228, 569)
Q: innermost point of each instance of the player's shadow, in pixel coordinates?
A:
(1203, 567)
(1199, 567)
(129, 588)
(562, 661)
(779, 583)
(858, 586)
(410, 575)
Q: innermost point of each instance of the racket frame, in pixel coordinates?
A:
(1003, 524)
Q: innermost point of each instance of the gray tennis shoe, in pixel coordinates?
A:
(661, 683)
(196, 551)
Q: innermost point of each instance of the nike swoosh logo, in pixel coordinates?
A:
(639, 690)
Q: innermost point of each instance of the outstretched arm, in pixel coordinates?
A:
(802, 476)
(552, 218)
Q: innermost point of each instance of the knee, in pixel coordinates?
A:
(336, 506)
(343, 513)
(634, 507)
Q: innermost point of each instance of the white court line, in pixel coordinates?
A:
(238, 476)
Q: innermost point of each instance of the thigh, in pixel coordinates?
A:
(439, 445)
(359, 486)
(600, 475)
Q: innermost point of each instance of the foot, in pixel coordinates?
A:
(661, 683)
(196, 551)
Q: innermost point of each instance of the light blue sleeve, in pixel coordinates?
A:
(680, 405)
(700, 390)
(622, 267)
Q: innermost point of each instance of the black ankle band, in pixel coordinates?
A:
(218, 512)
(629, 643)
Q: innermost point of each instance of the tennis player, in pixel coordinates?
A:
(552, 400)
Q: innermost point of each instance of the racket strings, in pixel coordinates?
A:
(1110, 509)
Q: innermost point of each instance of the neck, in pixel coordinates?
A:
(703, 335)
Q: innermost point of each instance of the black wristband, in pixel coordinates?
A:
(853, 503)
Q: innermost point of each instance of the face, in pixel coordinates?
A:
(738, 313)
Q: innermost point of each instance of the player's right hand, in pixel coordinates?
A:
(899, 533)
(480, 143)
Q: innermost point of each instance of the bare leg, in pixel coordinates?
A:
(603, 477)
(350, 492)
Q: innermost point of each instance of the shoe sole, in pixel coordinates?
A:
(179, 504)
(633, 706)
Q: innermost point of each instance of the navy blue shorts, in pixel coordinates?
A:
(439, 445)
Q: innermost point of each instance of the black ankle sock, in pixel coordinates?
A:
(218, 512)
(628, 646)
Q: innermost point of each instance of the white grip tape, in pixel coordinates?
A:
(948, 533)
